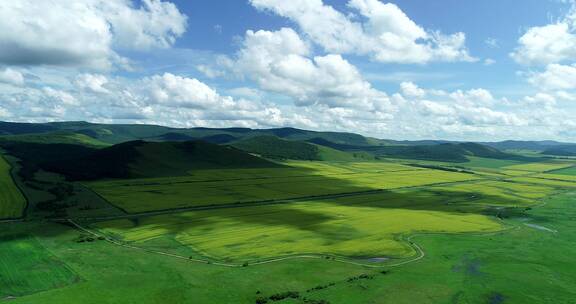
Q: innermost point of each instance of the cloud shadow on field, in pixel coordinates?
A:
(347, 193)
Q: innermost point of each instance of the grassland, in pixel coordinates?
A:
(566, 171)
(55, 138)
(489, 162)
(12, 202)
(546, 166)
(500, 193)
(466, 237)
(26, 267)
(344, 209)
(312, 179)
(360, 226)
(521, 265)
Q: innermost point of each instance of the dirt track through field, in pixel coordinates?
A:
(420, 254)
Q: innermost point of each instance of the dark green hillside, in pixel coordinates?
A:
(445, 152)
(442, 152)
(175, 136)
(131, 159)
(526, 145)
(274, 147)
(59, 137)
(449, 152)
(561, 151)
(335, 137)
(118, 133)
(14, 128)
(277, 148)
(343, 147)
(474, 149)
(219, 139)
(114, 134)
(101, 134)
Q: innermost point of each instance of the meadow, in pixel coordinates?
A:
(565, 171)
(341, 232)
(12, 201)
(385, 202)
(547, 166)
(362, 226)
(463, 268)
(306, 180)
(26, 267)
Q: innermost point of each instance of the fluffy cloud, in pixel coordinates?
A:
(473, 97)
(429, 108)
(4, 113)
(92, 82)
(279, 62)
(175, 90)
(85, 33)
(540, 99)
(409, 89)
(11, 76)
(180, 101)
(387, 34)
(552, 43)
(555, 77)
(458, 114)
(59, 97)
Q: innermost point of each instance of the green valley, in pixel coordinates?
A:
(180, 218)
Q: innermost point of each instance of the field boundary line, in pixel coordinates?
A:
(419, 252)
(418, 249)
(16, 181)
(264, 202)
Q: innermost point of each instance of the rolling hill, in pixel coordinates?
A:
(277, 148)
(279, 143)
(526, 145)
(118, 133)
(58, 137)
(448, 152)
(135, 159)
(567, 150)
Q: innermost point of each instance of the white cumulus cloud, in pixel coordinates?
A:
(11, 76)
(551, 43)
(280, 62)
(92, 82)
(84, 33)
(386, 33)
(555, 77)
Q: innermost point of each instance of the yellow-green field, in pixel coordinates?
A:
(361, 226)
(541, 166)
(362, 223)
(545, 181)
(493, 192)
(308, 179)
(12, 202)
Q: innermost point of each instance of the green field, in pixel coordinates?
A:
(363, 225)
(489, 162)
(520, 265)
(567, 171)
(359, 223)
(12, 202)
(541, 166)
(338, 232)
(26, 267)
(205, 188)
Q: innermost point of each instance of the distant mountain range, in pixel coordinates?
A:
(124, 151)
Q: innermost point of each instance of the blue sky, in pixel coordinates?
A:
(501, 21)
(450, 69)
